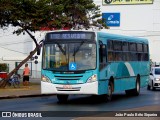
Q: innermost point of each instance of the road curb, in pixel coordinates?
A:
(25, 96)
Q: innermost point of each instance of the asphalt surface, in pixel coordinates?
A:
(34, 91)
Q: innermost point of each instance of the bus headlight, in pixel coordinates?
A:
(93, 78)
(45, 79)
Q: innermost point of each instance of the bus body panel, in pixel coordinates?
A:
(68, 78)
(124, 73)
(87, 88)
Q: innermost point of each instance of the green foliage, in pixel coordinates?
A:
(33, 14)
(3, 67)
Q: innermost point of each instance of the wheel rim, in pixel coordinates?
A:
(138, 87)
(109, 92)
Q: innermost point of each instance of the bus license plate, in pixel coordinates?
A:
(67, 86)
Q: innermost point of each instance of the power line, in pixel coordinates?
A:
(14, 43)
(12, 50)
(5, 35)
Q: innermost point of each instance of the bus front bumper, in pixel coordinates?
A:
(87, 88)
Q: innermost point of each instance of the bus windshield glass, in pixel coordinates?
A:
(70, 56)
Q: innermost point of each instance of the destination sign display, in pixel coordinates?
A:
(70, 35)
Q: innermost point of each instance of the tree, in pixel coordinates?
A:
(3, 67)
(29, 16)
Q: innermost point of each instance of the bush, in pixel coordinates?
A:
(3, 67)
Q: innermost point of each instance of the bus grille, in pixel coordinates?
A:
(78, 77)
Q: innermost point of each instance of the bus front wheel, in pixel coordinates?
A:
(110, 90)
(62, 98)
(108, 96)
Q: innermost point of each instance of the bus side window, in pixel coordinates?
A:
(102, 53)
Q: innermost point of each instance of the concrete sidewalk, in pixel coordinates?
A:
(34, 89)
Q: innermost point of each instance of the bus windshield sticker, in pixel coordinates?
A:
(72, 66)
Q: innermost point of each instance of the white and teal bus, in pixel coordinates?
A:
(94, 63)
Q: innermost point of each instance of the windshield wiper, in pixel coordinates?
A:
(78, 48)
(60, 47)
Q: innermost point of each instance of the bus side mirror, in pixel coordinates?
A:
(39, 47)
(38, 50)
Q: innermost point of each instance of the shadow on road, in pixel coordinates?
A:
(95, 100)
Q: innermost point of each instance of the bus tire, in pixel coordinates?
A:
(108, 97)
(110, 91)
(136, 90)
(62, 98)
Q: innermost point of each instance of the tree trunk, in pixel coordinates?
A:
(3, 82)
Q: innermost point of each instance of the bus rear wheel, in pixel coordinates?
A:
(62, 98)
(136, 90)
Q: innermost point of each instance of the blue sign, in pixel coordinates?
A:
(72, 66)
(112, 19)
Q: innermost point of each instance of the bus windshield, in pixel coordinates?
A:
(69, 56)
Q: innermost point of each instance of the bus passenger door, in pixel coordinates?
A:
(102, 56)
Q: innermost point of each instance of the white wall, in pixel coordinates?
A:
(15, 48)
(13, 45)
(136, 20)
(141, 20)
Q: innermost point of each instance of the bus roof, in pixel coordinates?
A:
(121, 37)
(110, 36)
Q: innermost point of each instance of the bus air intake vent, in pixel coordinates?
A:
(78, 77)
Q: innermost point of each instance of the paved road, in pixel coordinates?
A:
(146, 101)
